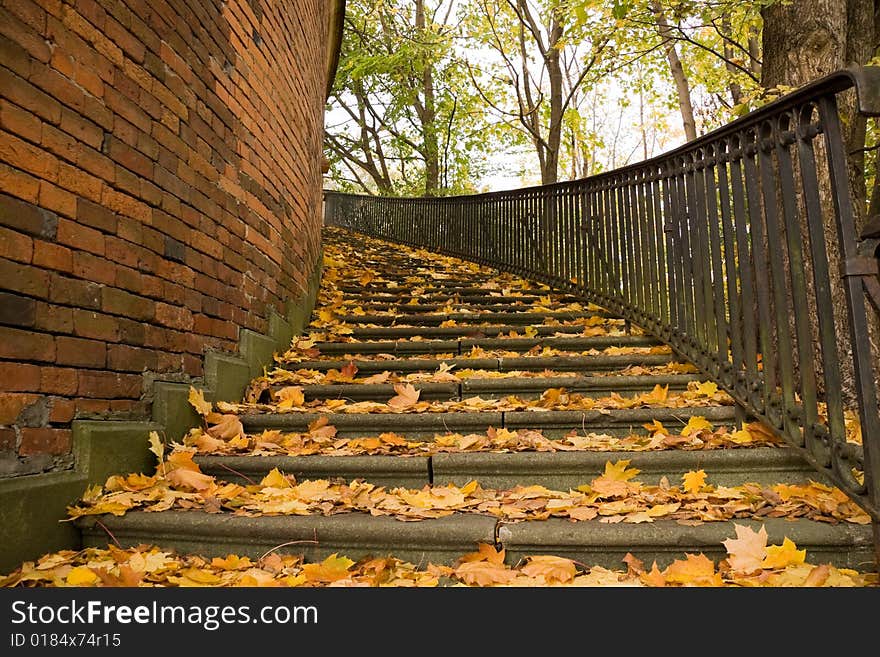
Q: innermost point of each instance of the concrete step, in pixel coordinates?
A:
(553, 424)
(504, 364)
(518, 319)
(464, 345)
(467, 331)
(442, 540)
(524, 387)
(555, 470)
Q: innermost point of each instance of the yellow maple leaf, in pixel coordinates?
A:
(325, 316)
(707, 388)
(332, 569)
(694, 481)
(81, 576)
(657, 396)
(275, 480)
(781, 556)
(198, 401)
(696, 423)
(742, 437)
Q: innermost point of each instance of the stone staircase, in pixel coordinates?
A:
(493, 356)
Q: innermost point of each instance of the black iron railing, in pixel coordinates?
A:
(738, 249)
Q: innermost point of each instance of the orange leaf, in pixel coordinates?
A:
(695, 570)
(406, 396)
(290, 397)
(694, 481)
(552, 569)
(485, 552)
(484, 573)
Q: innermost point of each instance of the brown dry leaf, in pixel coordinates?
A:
(190, 479)
(552, 569)
(228, 427)
(382, 377)
(348, 372)
(290, 397)
(406, 397)
(634, 565)
(484, 573)
(818, 576)
(748, 550)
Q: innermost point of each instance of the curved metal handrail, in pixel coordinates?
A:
(724, 248)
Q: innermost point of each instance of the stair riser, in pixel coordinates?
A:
(504, 364)
(553, 424)
(443, 540)
(554, 470)
(463, 346)
(524, 388)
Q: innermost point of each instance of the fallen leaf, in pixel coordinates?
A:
(748, 550)
(780, 556)
(694, 570)
(406, 396)
(551, 568)
(694, 481)
(197, 399)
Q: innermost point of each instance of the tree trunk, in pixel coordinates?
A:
(802, 42)
(428, 116)
(682, 86)
(549, 171)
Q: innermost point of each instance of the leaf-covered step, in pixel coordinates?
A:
(524, 388)
(513, 318)
(464, 331)
(465, 345)
(443, 540)
(564, 470)
(373, 391)
(503, 364)
(439, 540)
(412, 471)
(552, 423)
(662, 541)
(534, 387)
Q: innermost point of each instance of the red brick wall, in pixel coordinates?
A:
(159, 189)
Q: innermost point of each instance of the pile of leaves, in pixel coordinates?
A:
(750, 562)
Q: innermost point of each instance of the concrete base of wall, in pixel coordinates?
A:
(33, 508)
